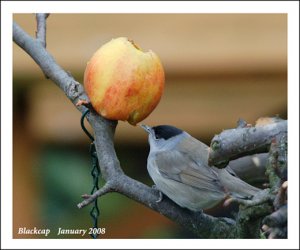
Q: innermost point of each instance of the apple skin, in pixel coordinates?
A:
(123, 82)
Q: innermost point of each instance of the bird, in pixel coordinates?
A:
(178, 165)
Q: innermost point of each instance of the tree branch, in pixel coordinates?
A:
(73, 89)
(90, 198)
(203, 225)
(251, 168)
(41, 28)
(235, 143)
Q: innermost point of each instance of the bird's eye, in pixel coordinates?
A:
(157, 137)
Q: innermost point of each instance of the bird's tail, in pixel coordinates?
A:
(235, 186)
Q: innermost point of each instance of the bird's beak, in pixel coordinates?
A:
(146, 128)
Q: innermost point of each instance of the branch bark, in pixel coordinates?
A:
(34, 48)
(269, 135)
(251, 168)
(235, 143)
(41, 28)
(203, 225)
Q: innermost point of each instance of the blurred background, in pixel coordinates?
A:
(219, 68)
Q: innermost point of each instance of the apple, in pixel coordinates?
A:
(123, 82)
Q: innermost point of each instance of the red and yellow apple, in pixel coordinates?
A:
(123, 82)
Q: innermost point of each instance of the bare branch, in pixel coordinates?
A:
(41, 28)
(90, 198)
(73, 89)
(251, 168)
(234, 143)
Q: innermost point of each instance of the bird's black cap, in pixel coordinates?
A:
(166, 131)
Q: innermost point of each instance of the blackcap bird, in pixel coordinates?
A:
(178, 165)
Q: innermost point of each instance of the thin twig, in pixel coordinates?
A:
(90, 198)
(41, 28)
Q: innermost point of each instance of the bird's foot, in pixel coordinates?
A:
(160, 194)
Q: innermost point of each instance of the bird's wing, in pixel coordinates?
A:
(182, 167)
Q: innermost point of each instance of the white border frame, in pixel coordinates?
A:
(9, 8)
